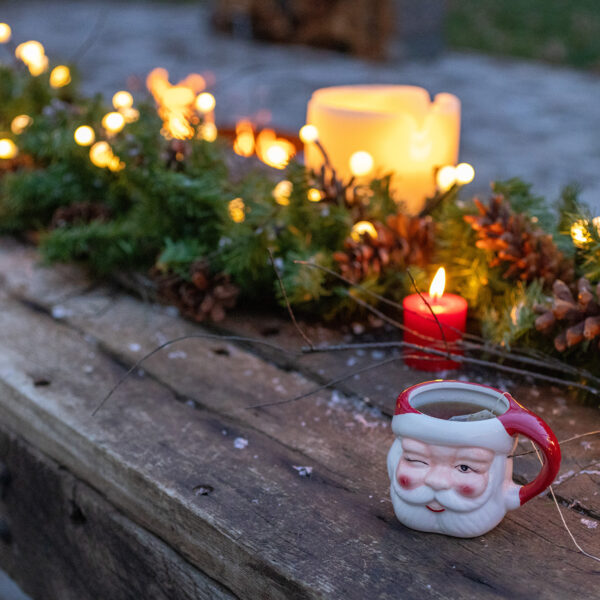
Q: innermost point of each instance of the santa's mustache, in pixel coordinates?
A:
(449, 499)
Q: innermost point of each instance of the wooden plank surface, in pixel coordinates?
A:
(65, 541)
(262, 530)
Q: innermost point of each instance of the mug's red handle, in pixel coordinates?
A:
(520, 420)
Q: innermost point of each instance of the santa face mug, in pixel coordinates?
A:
(449, 465)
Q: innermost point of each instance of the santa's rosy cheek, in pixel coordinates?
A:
(466, 490)
(404, 481)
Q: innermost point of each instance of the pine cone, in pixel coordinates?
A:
(204, 296)
(402, 242)
(520, 248)
(579, 319)
(414, 239)
(79, 213)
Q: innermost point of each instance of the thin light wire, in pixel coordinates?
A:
(562, 518)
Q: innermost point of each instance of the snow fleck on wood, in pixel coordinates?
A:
(134, 347)
(563, 477)
(589, 523)
(172, 311)
(177, 354)
(60, 312)
(240, 443)
(303, 471)
(361, 419)
(589, 472)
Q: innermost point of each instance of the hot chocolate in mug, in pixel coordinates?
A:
(449, 465)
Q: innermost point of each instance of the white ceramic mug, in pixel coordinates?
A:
(455, 477)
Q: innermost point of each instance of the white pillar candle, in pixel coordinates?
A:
(405, 133)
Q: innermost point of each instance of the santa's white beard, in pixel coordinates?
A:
(462, 517)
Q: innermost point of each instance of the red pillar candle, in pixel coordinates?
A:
(451, 312)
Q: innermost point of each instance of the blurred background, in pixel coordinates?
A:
(526, 72)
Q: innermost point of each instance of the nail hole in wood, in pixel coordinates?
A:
(203, 490)
(221, 351)
(40, 379)
(77, 517)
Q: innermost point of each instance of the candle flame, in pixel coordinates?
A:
(436, 289)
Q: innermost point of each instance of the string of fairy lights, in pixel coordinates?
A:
(187, 110)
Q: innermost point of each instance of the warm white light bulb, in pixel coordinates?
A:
(8, 149)
(113, 122)
(205, 102)
(122, 99)
(84, 135)
(60, 76)
(5, 33)
(465, 173)
(446, 178)
(361, 163)
(361, 228)
(308, 134)
(20, 123)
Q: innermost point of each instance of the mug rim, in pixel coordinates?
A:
(405, 402)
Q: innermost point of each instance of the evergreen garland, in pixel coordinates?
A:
(174, 208)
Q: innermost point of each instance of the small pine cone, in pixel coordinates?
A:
(204, 296)
(586, 298)
(545, 322)
(591, 328)
(402, 241)
(516, 245)
(414, 237)
(365, 257)
(579, 320)
(79, 213)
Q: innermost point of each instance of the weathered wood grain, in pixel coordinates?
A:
(263, 531)
(64, 541)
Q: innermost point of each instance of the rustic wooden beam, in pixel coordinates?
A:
(163, 453)
(62, 539)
